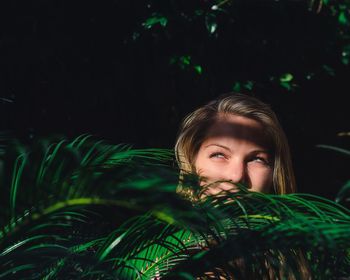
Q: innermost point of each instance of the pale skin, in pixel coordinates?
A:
(235, 150)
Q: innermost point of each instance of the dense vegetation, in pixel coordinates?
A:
(129, 71)
(85, 209)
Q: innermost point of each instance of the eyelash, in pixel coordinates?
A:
(217, 154)
(255, 158)
(261, 159)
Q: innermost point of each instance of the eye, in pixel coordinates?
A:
(217, 155)
(261, 160)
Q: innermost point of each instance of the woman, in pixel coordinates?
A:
(238, 139)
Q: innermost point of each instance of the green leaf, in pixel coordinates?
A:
(135, 36)
(16, 177)
(334, 148)
(343, 193)
(346, 54)
(287, 77)
(198, 69)
(249, 85)
(156, 19)
(109, 248)
(185, 60)
(15, 270)
(211, 24)
(93, 209)
(309, 76)
(200, 255)
(329, 70)
(237, 87)
(186, 276)
(342, 19)
(345, 60)
(198, 12)
(286, 85)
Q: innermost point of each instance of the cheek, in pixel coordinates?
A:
(207, 170)
(203, 168)
(210, 172)
(200, 163)
(261, 180)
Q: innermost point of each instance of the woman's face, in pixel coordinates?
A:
(235, 149)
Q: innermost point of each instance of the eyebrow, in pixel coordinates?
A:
(228, 149)
(218, 145)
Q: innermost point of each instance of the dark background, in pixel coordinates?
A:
(129, 71)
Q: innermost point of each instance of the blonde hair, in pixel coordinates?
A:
(195, 126)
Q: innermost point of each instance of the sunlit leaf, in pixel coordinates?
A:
(342, 19)
(346, 54)
(287, 77)
(156, 19)
(334, 148)
(210, 22)
(249, 85)
(185, 60)
(343, 133)
(344, 192)
(198, 69)
(310, 76)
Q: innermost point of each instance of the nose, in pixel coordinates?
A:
(236, 172)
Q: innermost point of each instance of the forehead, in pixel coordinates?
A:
(240, 128)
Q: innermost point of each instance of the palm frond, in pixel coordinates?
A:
(85, 209)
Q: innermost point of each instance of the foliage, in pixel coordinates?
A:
(269, 43)
(85, 209)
